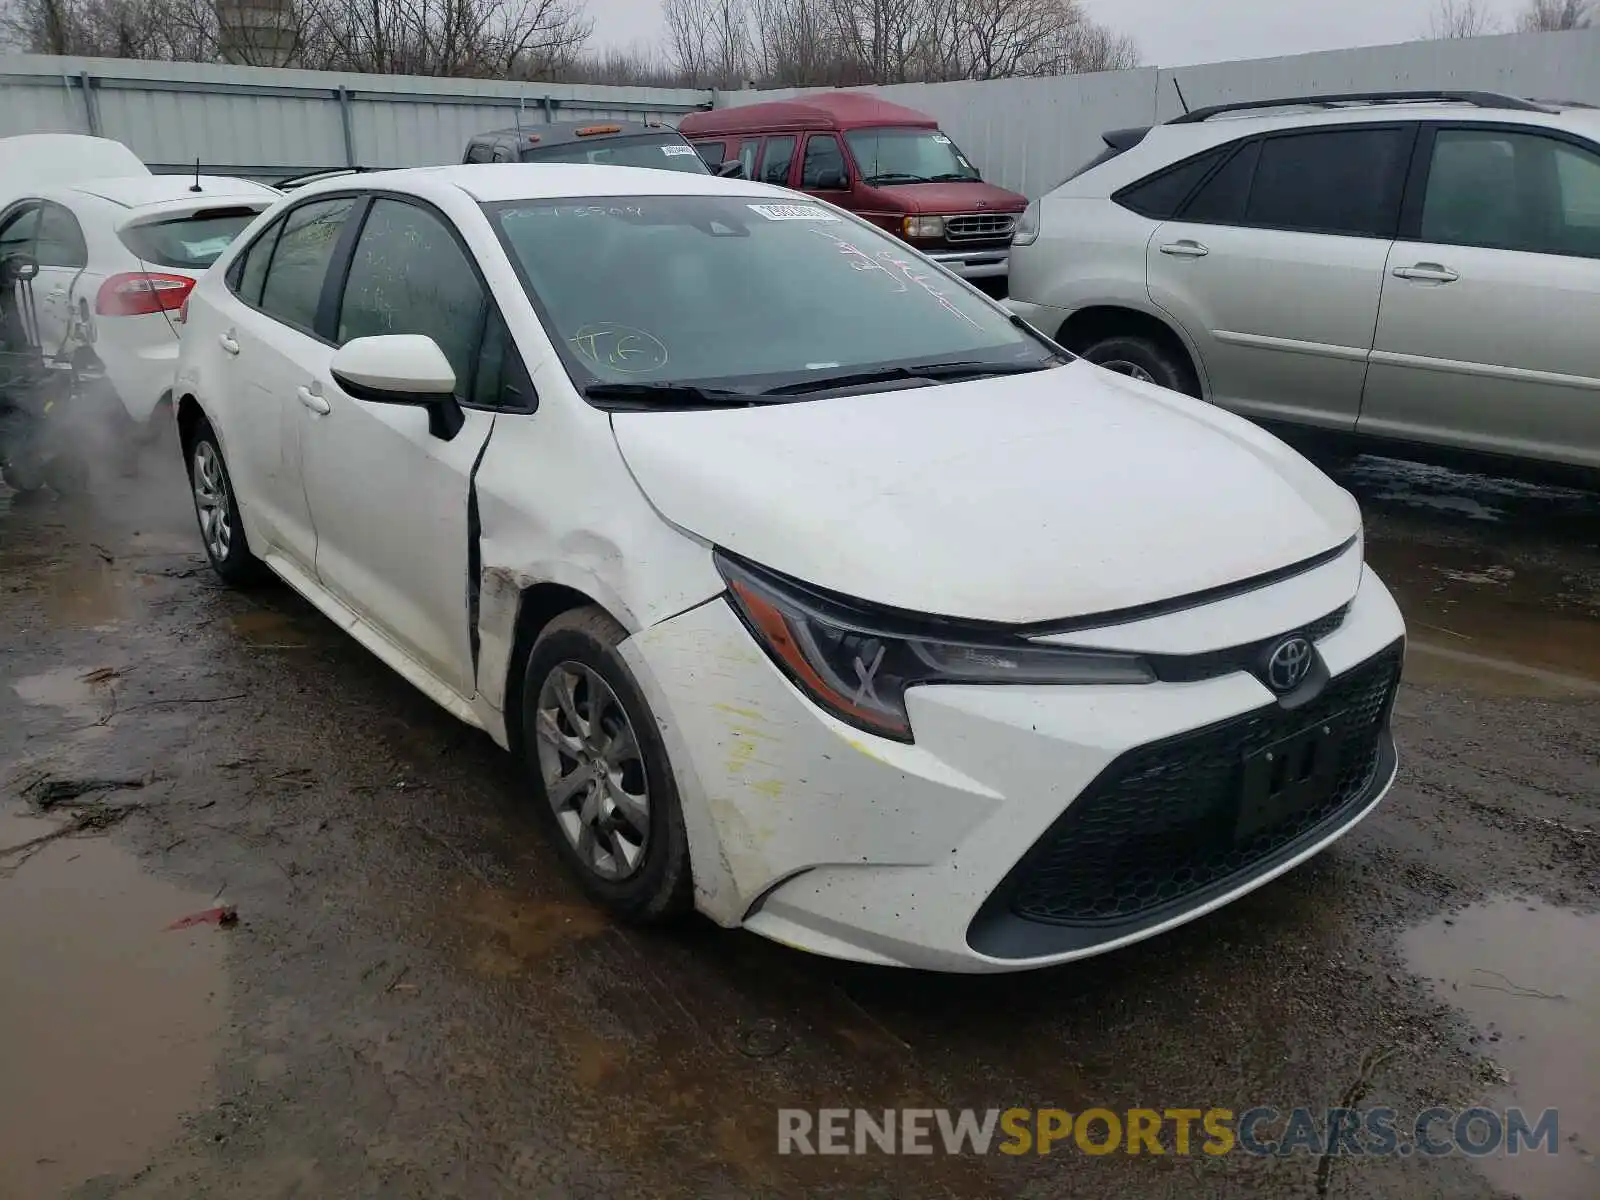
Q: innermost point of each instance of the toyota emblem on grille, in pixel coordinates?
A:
(1289, 664)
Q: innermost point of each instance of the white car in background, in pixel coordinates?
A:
(117, 256)
(811, 589)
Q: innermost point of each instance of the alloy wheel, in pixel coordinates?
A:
(593, 772)
(1131, 369)
(212, 502)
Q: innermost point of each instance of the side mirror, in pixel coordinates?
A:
(731, 169)
(402, 368)
(18, 268)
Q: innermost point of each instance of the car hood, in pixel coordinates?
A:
(952, 198)
(1039, 497)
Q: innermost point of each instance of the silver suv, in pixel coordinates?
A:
(1418, 273)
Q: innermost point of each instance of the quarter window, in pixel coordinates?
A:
(410, 275)
(248, 272)
(775, 162)
(300, 261)
(1222, 199)
(1161, 195)
(1344, 181)
(1512, 191)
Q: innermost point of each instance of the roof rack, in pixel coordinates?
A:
(285, 185)
(1477, 99)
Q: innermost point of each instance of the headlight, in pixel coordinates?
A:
(922, 227)
(858, 664)
(1027, 226)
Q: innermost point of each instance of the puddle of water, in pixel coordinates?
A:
(111, 1022)
(79, 691)
(267, 629)
(1515, 630)
(1480, 499)
(84, 594)
(1528, 976)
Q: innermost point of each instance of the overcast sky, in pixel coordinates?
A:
(1173, 33)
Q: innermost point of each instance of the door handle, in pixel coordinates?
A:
(225, 340)
(1426, 273)
(1185, 248)
(314, 401)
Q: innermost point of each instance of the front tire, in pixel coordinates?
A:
(1145, 359)
(221, 531)
(598, 770)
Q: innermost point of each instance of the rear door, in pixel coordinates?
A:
(777, 160)
(270, 352)
(1489, 332)
(1274, 265)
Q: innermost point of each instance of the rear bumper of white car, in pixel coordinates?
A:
(1026, 825)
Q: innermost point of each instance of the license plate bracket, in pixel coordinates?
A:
(1288, 776)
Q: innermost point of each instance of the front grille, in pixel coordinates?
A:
(1159, 824)
(1213, 664)
(988, 227)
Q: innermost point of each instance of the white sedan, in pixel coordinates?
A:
(117, 256)
(812, 589)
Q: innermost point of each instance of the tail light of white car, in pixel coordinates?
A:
(140, 293)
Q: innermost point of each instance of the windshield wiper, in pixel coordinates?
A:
(896, 177)
(954, 177)
(668, 395)
(966, 369)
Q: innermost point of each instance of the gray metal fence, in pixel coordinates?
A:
(269, 124)
(1028, 134)
(1025, 134)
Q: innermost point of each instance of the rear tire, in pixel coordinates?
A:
(217, 512)
(598, 771)
(1146, 359)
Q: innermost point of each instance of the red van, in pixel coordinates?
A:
(887, 164)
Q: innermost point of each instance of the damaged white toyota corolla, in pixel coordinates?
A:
(812, 589)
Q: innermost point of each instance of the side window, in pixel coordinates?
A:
(60, 240)
(17, 236)
(713, 154)
(1505, 190)
(775, 162)
(501, 379)
(1159, 196)
(823, 167)
(1221, 199)
(410, 275)
(1341, 181)
(248, 272)
(300, 261)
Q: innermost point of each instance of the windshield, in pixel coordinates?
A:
(743, 293)
(908, 156)
(662, 151)
(192, 243)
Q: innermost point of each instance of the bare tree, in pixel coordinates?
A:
(1461, 19)
(1551, 16)
(709, 40)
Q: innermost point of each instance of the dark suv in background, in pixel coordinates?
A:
(604, 143)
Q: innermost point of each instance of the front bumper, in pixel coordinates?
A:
(975, 264)
(929, 855)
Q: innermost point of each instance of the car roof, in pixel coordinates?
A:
(137, 191)
(490, 183)
(557, 133)
(831, 110)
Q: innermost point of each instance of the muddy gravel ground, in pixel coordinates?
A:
(414, 1001)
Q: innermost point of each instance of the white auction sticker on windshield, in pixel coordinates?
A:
(792, 212)
(671, 150)
(941, 139)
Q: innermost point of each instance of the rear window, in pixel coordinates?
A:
(192, 242)
(662, 151)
